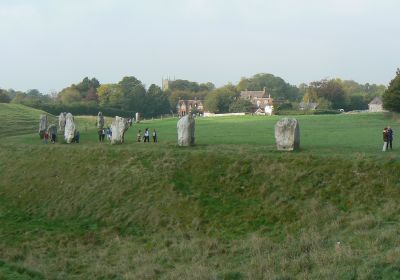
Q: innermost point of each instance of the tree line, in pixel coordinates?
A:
(130, 95)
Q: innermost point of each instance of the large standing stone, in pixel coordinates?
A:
(61, 122)
(42, 125)
(70, 129)
(100, 120)
(287, 134)
(118, 128)
(137, 118)
(186, 126)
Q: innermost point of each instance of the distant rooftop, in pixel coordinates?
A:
(377, 100)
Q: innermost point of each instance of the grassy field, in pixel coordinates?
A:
(346, 135)
(229, 208)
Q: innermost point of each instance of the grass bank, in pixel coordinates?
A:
(229, 208)
(102, 212)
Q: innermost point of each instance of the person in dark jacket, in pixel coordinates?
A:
(53, 138)
(390, 137)
(100, 133)
(385, 139)
(154, 136)
(77, 137)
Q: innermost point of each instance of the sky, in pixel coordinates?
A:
(50, 44)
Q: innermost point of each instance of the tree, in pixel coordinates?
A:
(69, 95)
(329, 90)
(391, 97)
(357, 96)
(275, 86)
(156, 102)
(4, 98)
(206, 86)
(91, 95)
(110, 95)
(184, 85)
(32, 98)
(133, 94)
(240, 106)
(128, 83)
(220, 100)
(87, 84)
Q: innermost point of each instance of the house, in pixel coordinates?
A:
(376, 105)
(308, 105)
(262, 105)
(250, 94)
(185, 107)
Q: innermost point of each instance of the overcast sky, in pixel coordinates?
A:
(49, 44)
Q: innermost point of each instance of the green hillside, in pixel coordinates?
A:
(18, 119)
(230, 208)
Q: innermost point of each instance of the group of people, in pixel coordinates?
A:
(387, 138)
(146, 136)
(103, 132)
(52, 137)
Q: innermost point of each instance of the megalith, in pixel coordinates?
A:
(118, 128)
(61, 122)
(70, 129)
(287, 134)
(137, 118)
(42, 125)
(186, 127)
(100, 120)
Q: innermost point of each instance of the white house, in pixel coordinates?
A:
(376, 105)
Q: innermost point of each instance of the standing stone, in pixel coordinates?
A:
(42, 125)
(118, 128)
(137, 117)
(61, 122)
(287, 134)
(186, 126)
(70, 129)
(100, 120)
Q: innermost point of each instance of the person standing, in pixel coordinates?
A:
(100, 132)
(154, 136)
(146, 135)
(53, 138)
(77, 137)
(103, 134)
(109, 134)
(385, 139)
(45, 137)
(390, 137)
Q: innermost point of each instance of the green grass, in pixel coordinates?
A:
(18, 119)
(344, 135)
(229, 208)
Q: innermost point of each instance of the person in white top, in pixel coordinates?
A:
(146, 135)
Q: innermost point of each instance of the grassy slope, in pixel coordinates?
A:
(221, 211)
(18, 119)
